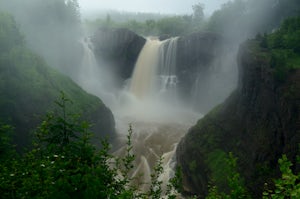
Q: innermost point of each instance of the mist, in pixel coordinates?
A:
(56, 32)
(146, 6)
(191, 58)
(51, 29)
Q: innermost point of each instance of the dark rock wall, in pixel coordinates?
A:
(258, 123)
(118, 49)
(196, 55)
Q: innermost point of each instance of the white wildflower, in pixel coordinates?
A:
(56, 156)
(42, 165)
(12, 174)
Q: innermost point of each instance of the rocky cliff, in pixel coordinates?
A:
(118, 49)
(258, 123)
(198, 55)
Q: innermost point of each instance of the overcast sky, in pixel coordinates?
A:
(156, 6)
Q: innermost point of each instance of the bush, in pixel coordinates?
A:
(64, 164)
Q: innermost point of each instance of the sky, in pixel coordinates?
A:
(153, 6)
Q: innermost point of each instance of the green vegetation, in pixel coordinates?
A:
(235, 20)
(284, 45)
(170, 25)
(28, 86)
(231, 178)
(51, 28)
(64, 164)
(166, 25)
(9, 34)
(288, 186)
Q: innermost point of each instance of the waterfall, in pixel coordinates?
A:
(148, 104)
(145, 69)
(92, 77)
(88, 66)
(167, 65)
(155, 69)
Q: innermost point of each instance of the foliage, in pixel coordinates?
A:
(64, 164)
(28, 86)
(9, 34)
(284, 45)
(59, 129)
(288, 185)
(238, 20)
(168, 25)
(287, 36)
(235, 183)
(226, 17)
(6, 146)
(51, 28)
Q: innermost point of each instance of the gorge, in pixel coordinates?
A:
(159, 99)
(153, 94)
(213, 102)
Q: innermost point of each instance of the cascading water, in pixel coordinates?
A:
(93, 78)
(167, 68)
(155, 70)
(142, 83)
(89, 68)
(148, 104)
(157, 122)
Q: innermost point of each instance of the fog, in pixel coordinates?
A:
(152, 6)
(54, 30)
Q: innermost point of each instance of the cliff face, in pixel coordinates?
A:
(259, 122)
(119, 49)
(197, 56)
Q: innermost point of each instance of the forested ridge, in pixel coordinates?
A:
(29, 87)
